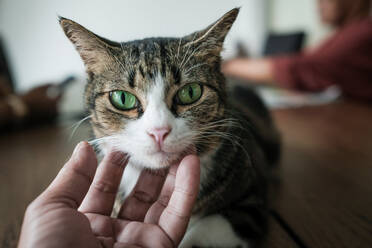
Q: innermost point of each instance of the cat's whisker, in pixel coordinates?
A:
(117, 60)
(213, 127)
(98, 141)
(178, 49)
(194, 66)
(187, 51)
(79, 121)
(77, 125)
(122, 48)
(229, 120)
(192, 53)
(205, 134)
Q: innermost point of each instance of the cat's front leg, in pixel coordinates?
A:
(212, 231)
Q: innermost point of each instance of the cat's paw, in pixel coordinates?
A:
(213, 231)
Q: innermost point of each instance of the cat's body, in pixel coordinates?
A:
(159, 99)
(231, 207)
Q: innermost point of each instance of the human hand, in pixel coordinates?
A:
(74, 211)
(39, 103)
(257, 70)
(232, 66)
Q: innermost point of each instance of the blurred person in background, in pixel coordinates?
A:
(34, 106)
(345, 59)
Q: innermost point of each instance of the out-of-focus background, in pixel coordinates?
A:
(38, 51)
(319, 92)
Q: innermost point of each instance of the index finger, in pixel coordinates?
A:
(102, 192)
(176, 215)
(74, 179)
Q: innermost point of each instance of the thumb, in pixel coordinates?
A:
(73, 181)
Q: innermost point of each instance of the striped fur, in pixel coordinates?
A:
(236, 147)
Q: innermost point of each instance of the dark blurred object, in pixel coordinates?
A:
(33, 108)
(5, 74)
(58, 89)
(242, 52)
(66, 82)
(278, 44)
(40, 106)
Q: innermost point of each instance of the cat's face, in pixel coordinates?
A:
(156, 99)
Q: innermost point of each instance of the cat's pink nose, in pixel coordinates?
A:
(159, 134)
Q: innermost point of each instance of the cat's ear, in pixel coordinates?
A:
(94, 50)
(212, 38)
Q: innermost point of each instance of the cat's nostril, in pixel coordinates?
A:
(159, 134)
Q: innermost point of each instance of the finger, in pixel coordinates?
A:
(142, 235)
(101, 225)
(155, 211)
(101, 195)
(153, 215)
(111, 243)
(143, 195)
(125, 245)
(176, 215)
(106, 242)
(73, 181)
(128, 233)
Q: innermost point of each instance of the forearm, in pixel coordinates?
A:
(258, 70)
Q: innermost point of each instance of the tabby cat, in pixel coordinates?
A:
(157, 99)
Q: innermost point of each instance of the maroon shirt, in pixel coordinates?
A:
(344, 60)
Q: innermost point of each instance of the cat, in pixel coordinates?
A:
(170, 93)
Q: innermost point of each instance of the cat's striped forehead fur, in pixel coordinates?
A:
(154, 70)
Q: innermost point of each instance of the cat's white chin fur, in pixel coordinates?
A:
(155, 161)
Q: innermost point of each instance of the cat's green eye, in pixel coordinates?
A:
(123, 100)
(189, 93)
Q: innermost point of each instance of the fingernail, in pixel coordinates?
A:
(118, 158)
(78, 148)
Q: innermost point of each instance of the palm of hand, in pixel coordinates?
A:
(155, 214)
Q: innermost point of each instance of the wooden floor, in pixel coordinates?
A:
(323, 197)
